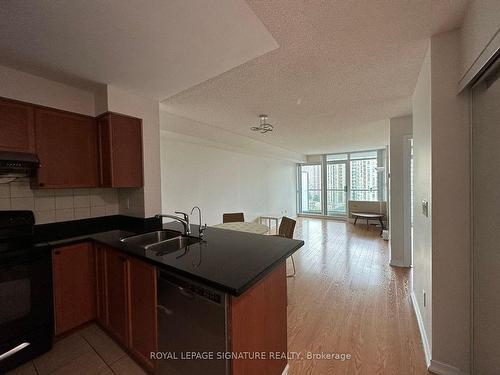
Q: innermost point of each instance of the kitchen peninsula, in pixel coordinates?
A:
(224, 295)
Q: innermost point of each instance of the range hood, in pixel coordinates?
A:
(18, 164)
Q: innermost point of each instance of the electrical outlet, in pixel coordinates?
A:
(425, 299)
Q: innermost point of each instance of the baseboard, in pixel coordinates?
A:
(441, 368)
(421, 327)
(285, 371)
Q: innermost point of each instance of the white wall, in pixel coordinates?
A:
(451, 207)
(400, 129)
(221, 180)
(481, 23)
(29, 88)
(442, 177)
(422, 225)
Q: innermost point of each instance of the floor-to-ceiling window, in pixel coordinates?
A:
(326, 187)
(364, 176)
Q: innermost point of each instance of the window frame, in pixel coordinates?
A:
(377, 190)
(299, 190)
(381, 189)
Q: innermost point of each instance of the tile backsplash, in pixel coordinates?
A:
(53, 205)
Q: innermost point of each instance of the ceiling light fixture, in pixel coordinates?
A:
(264, 126)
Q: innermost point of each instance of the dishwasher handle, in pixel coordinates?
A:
(163, 309)
(185, 292)
(191, 290)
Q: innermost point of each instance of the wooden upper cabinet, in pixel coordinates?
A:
(74, 286)
(120, 139)
(142, 297)
(117, 295)
(17, 126)
(67, 146)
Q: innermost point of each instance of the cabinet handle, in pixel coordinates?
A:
(41, 184)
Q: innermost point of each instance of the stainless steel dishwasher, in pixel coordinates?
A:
(192, 320)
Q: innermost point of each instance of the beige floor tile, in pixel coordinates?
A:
(106, 347)
(86, 364)
(106, 371)
(126, 366)
(63, 352)
(26, 369)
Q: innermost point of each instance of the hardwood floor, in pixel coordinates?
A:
(346, 298)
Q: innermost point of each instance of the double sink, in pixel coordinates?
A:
(161, 241)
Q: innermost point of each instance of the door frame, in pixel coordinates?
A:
(347, 187)
(299, 189)
(407, 202)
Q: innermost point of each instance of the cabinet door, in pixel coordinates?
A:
(101, 307)
(117, 294)
(17, 126)
(66, 145)
(121, 150)
(74, 286)
(143, 327)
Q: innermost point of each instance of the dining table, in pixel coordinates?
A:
(252, 227)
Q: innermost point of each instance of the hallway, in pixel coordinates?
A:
(346, 299)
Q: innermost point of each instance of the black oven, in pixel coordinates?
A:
(26, 304)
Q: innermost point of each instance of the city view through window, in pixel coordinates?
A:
(349, 176)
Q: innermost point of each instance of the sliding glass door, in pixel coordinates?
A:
(311, 188)
(336, 185)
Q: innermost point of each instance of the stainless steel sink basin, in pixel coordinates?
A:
(172, 245)
(150, 238)
(162, 241)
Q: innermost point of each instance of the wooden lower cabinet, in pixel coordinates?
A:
(74, 286)
(101, 303)
(117, 295)
(93, 281)
(126, 302)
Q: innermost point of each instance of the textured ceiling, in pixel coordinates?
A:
(342, 68)
(155, 47)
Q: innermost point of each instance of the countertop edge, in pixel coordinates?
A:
(268, 270)
(223, 288)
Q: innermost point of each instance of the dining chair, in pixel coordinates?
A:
(236, 217)
(286, 230)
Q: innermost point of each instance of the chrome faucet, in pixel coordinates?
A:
(183, 220)
(202, 227)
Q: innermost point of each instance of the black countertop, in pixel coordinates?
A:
(227, 260)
